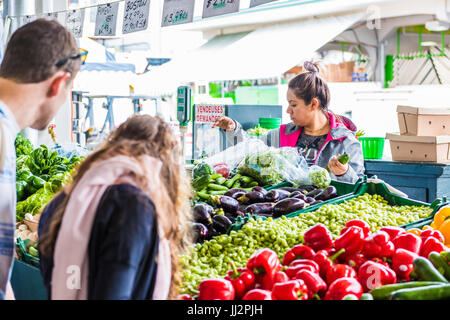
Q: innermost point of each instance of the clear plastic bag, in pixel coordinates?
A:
(70, 149)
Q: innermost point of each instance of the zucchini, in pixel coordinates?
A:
(216, 176)
(426, 271)
(366, 296)
(200, 182)
(436, 292)
(439, 263)
(231, 181)
(220, 180)
(384, 292)
(217, 187)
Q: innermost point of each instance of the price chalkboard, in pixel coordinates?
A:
(106, 19)
(212, 8)
(177, 12)
(75, 22)
(135, 15)
(254, 3)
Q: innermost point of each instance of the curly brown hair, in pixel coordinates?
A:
(143, 135)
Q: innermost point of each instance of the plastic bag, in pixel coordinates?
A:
(70, 149)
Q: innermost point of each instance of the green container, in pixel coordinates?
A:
(270, 123)
(372, 147)
(27, 282)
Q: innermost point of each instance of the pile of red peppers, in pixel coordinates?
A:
(323, 268)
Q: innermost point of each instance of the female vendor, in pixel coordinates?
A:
(320, 135)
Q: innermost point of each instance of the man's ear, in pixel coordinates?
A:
(315, 104)
(57, 84)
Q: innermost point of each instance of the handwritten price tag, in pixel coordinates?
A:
(254, 3)
(135, 16)
(75, 22)
(106, 19)
(177, 12)
(212, 8)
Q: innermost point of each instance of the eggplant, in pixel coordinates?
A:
(287, 206)
(221, 223)
(201, 232)
(259, 189)
(316, 202)
(329, 192)
(252, 197)
(212, 233)
(301, 196)
(289, 189)
(295, 193)
(309, 200)
(314, 193)
(230, 216)
(240, 214)
(307, 187)
(202, 213)
(228, 204)
(235, 193)
(276, 195)
(264, 208)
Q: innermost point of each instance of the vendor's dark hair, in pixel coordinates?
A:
(309, 84)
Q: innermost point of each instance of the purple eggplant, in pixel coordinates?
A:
(329, 192)
(289, 189)
(202, 213)
(240, 214)
(212, 233)
(316, 202)
(307, 187)
(259, 189)
(264, 208)
(251, 197)
(230, 216)
(200, 231)
(287, 206)
(300, 196)
(309, 200)
(228, 204)
(314, 193)
(276, 195)
(221, 223)
(235, 193)
(295, 193)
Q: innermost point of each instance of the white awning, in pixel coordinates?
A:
(263, 53)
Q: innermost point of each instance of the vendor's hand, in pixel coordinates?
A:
(225, 123)
(337, 168)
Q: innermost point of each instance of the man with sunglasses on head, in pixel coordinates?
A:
(36, 77)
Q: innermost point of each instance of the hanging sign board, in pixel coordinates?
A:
(106, 19)
(177, 12)
(75, 22)
(254, 3)
(135, 15)
(212, 8)
(208, 113)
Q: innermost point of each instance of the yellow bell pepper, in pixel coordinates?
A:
(445, 230)
(433, 225)
(441, 216)
(415, 231)
(427, 227)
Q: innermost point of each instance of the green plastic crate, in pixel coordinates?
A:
(27, 282)
(372, 147)
(270, 123)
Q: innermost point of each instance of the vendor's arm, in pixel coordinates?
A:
(354, 169)
(236, 134)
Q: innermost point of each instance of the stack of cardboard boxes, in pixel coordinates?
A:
(424, 135)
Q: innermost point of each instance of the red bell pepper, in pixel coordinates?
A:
(352, 240)
(258, 294)
(373, 275)
(290, 290)
(313, 281)
(381, 261)
(355, 260)
(242, 280)
(298, 252)
(408, 241)
(432, 244)
(402, 263)
(222, 168)
(378, 244)
(262, 262)
(358, 223)
(338, 271)
(432, 233)
(215, 289)
(318, 237)
(291, 271)
(269, 280)
(298, 262)
(324, 261)
(185, 296)
(342, 287)
(393, 232)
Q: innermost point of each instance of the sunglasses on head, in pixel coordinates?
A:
(82, 55)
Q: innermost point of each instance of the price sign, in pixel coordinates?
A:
(75, 22)
(135, 16)
(212, 8)
(254, 3)
(208, 113)
(177, 12)
(106, 19)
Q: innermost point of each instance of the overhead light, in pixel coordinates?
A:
(436, 25)
(429, 44)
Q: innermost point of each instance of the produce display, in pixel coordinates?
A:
(211, 258)
(257, 131)
(356, 265)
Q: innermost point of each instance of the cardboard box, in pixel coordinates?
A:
(419, 148)
(416, 121)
